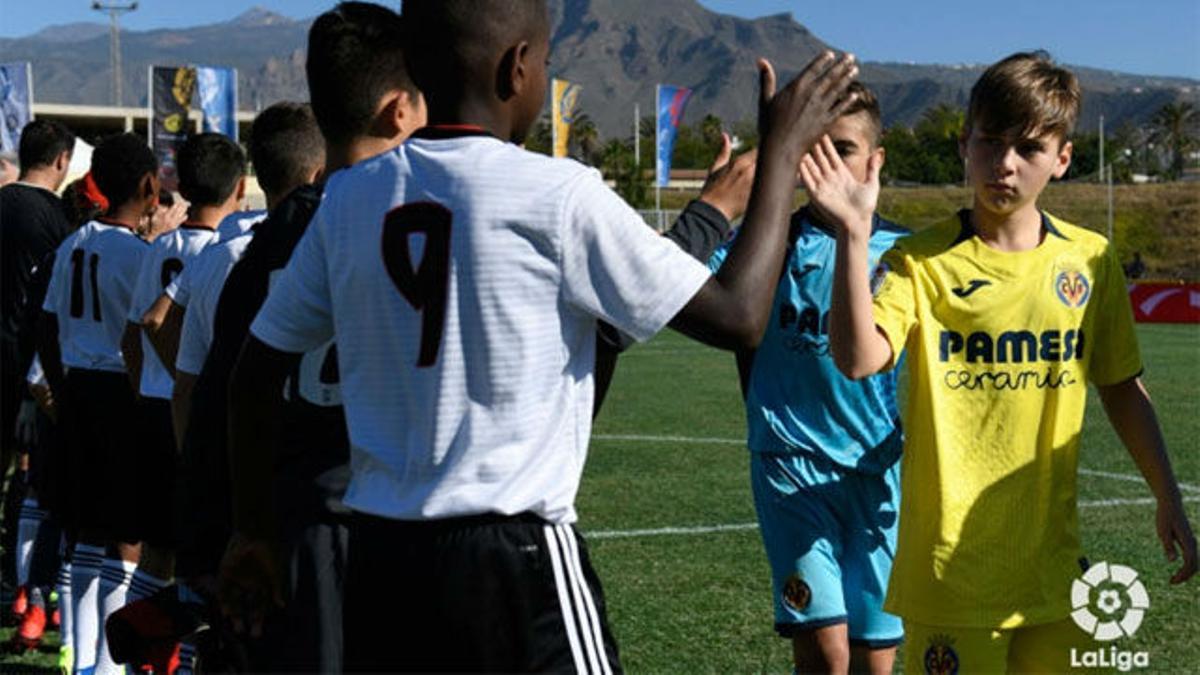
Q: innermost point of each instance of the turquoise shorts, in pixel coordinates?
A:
(830, 536)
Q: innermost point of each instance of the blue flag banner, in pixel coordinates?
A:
(671, 101)
(217, 91)
(16, 103)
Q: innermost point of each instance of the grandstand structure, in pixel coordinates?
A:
(90, 122)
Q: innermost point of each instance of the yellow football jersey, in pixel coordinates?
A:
(1001, 346)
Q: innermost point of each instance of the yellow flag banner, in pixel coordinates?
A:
(563, 95)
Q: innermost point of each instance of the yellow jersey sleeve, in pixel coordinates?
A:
(1115, 353)
(895, 301)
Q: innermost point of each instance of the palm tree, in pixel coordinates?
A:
(943, 121)
(710, 130)
(1174, 127)
(538, 139)
(647, 126)
(586, 135)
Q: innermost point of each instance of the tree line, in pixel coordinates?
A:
(926, 153)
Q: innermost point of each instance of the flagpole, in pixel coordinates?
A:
(150, 106)
(657, 154)
(236, 131)
(637, 139)
(29, 88)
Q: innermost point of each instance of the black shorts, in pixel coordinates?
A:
(481, 593)
(101, 467)
(156, 462)
(306, 634)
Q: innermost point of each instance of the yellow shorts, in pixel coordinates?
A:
(1044, 648)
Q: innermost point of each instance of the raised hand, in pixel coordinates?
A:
(793, 119)
(727, 187)
(836, 193)
(165, 218)
(250, 584)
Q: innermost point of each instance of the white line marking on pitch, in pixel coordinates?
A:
(668, 439)
(1131, 478)
(709, 440)
(741, 527)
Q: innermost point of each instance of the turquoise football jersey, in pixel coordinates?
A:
(796, 399)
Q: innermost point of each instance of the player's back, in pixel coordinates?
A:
(207, 274)
(465, 276)
(169, 256)
(95, 270)
(238, 223)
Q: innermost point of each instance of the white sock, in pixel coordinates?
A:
(144, 585)
(187, 658)
(85, 591)
(65, 608)
(27, 528)
(115, 578)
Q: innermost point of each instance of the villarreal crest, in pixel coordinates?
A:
(1073, 288)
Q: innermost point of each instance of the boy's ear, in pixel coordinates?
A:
(240, 190)
(1063, 161)
(148, 188)
(513, 74)
(399, 115)
(62, 161)
(882, 152)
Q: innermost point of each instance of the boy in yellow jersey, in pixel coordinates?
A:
(1006, 313)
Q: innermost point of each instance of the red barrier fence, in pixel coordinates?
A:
(1165, 302)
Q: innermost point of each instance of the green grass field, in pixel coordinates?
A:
(667, 455)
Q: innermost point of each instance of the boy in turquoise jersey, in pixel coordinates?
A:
(824, 449)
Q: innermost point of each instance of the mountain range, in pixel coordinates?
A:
(618, 50)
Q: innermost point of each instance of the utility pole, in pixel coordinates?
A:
(1102, 148)
(115, 10)
(637, 141)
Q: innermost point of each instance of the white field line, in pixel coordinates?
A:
(740, 527)
(709, 440)
(1131, 478)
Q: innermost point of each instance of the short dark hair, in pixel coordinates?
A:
(209, 167)
(1028, 92)
(285, 146)
(355, 56)
(42, 141)
(450, 42)
(866, 103)
(119, 163)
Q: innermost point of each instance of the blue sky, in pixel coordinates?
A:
(1154, 37)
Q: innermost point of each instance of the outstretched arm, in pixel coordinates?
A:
(1132, 416)
(702, 227)
(251, 579)
(859, 349)
(731, 310)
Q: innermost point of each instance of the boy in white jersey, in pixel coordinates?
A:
(468, 379)
(90, 291)
(1005, 313)
(287, 151)
(211, 171)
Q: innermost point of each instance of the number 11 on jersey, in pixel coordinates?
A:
(423, 287)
